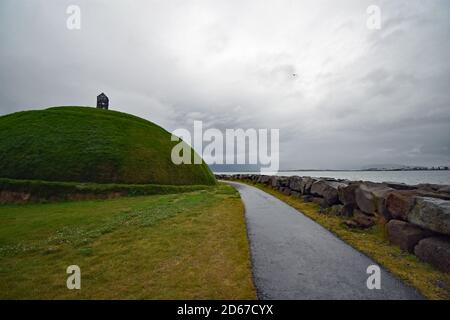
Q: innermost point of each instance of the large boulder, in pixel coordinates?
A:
(320, 201)
(328, 190)
(274, 181)
(444, 189)
(435, 251)
(295, 183)
(365, 199)
(405, 235)
(264, 179)
(380, 194)
(370, 197)
(346, 194)
(306, 184)
(347, 210)
(432, 214)
(318, 187)
(283, 182)
(399, 204)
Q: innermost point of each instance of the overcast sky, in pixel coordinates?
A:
(359, 96)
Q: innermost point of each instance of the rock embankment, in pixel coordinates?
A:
(417, 218)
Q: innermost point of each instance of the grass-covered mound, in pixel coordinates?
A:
(85, 144)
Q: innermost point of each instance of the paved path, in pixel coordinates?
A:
(295, 258)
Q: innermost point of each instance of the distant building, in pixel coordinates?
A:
(102, 101)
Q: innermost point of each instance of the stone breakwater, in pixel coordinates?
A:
(417, 218)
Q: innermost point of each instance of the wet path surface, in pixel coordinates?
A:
(295, 258)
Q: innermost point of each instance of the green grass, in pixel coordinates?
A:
(179, 246)
(84, 144)
(432, 283)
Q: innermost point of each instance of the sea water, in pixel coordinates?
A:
(408, 177)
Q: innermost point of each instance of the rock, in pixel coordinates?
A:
(320, 201)
(306, 185)
(399, 186)
(365, 199)
(428, 187)
(295, 183)
(307, 198)
(274, 181)
(371, 197)
(360, 220)
(286, 191)
(399, 204)
(265, 179)
(444, 189)
(284, 181)
(328, 189)
(347, 210)
(381, 193)
(435, 251)
(317, 188)
(347, 193)
(431, 214)
(405, 235)
(434, 188)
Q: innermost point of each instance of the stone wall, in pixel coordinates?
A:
(417, 218)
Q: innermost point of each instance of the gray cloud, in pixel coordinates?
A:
(359, 96)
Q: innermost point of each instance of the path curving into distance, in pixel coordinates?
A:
(293, 257)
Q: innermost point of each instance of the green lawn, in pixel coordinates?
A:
(179, 246)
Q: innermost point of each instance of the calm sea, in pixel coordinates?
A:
(408, 177)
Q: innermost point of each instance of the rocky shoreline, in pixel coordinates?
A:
(417, 217)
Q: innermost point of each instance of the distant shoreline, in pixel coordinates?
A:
(362, 170)
(334, 170)
(400, 176)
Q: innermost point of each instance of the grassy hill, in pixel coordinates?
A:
(85, 144)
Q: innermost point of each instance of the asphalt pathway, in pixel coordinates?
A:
(293, 257)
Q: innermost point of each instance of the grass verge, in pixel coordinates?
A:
(373, 242)
(178, 246)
